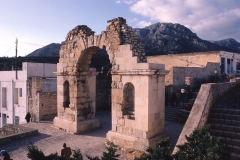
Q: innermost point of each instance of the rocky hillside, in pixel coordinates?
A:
(166, 38)
(51, 50)
(231, 44)
(163, 38)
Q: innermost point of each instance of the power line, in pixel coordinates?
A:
(8, 49)
(35, 44)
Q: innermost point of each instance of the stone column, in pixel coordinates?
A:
(226, 65)
(79, 116)
(138, 98)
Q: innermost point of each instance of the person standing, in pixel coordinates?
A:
(5, 155)
(66, 151)
(28, 117)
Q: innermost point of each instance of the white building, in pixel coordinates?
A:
(229, 61)
(14, 90)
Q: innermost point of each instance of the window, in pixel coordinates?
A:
(17, 120)
(128, 101)
(16, 96)
(20, 92)
(4, 97)
(4, 119)
(66, 94)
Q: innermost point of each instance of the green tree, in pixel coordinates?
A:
(201, 145)
(109, 155)
(160, 152)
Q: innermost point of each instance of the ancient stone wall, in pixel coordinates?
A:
(34, 86)
(47, 104)
(44, 87)
(196, 74)
(201, 60)
(207, 97)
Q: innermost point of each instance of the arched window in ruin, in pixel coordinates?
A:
(128, 101)
(66, 97)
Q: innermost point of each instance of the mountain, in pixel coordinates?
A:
(162, 38)
(167, 38)
(229, 43)
(51, 50)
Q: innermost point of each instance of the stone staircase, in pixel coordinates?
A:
(181, 111)
(171, 111)
(225, 124)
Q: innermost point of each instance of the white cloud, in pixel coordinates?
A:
(142, 24)
(132, 20)
(126, 1)
(213, 20)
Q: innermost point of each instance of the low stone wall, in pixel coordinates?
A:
(207, 97)
(11, 132)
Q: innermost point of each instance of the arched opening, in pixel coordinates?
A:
(66, 98)
(100, 61)
(94, 57)
(128, 101)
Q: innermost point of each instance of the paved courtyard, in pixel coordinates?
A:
(50, 139)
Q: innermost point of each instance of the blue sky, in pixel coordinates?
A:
(37, 23)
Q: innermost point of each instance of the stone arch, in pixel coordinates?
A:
(66, 101)
(129, 100)
(75, 54)
(85, 58)
(81, 39)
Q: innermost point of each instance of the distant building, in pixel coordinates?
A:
(27, 90)
(191, 67)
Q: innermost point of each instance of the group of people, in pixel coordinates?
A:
(65, 152)
(175, 97)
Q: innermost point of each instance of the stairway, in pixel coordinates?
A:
(170, 112)
(225, 124)
(178, 112)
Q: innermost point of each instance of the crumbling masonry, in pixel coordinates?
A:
(137, 86)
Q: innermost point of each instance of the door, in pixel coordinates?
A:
(4, 119)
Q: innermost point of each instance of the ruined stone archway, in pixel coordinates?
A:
(127, 56)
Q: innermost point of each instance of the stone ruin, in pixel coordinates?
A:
(138, 87)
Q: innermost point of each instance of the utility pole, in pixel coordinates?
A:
(16, 58)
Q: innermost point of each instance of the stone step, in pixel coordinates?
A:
(224, 116)
(233, 111)
(233, 144)
(230, 141)
(232, 128)
(223, 121)
(234, 148)
(235, 156)
(223, 133)
(170, 112)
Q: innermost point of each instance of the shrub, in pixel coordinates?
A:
(109, 155)
(201, 145)
(160, 152)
